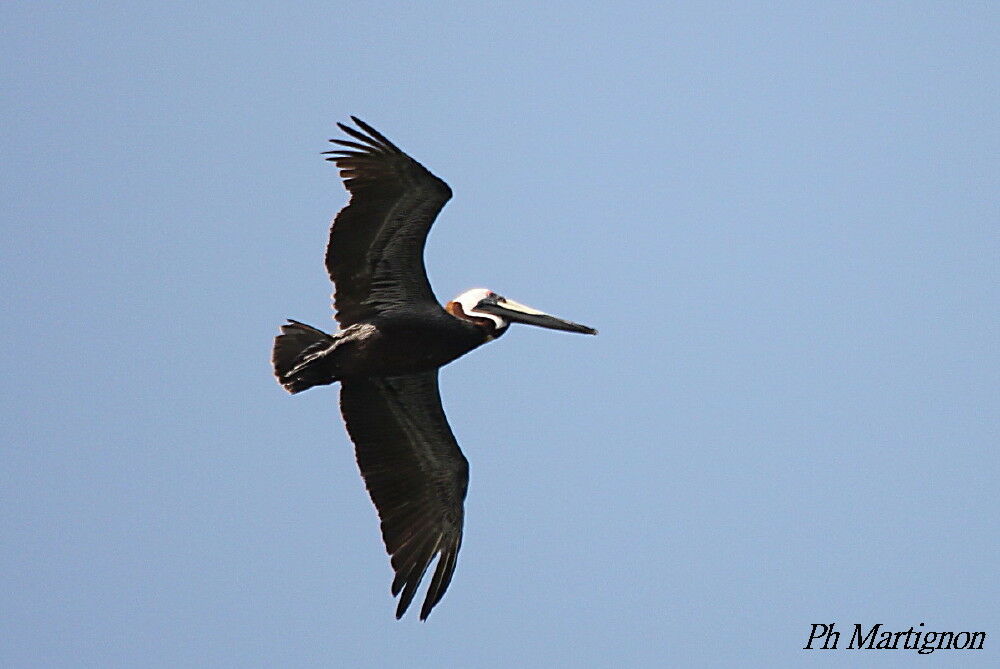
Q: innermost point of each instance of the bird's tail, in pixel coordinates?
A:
(298, 357)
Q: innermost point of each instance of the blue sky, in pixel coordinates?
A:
(782, 218)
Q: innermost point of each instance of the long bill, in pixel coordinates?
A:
(520, 313)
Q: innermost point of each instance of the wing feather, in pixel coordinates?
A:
(416, 476)
(375, 255)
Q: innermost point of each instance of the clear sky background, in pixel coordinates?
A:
(782, 218)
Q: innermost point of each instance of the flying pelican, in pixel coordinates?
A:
(393, 337)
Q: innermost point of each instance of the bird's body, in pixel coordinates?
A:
(389, 345)
(394, 336)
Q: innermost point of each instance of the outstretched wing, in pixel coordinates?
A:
(375, 255)
(415, 473)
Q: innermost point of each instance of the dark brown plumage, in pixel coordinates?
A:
(394, 336)
(419, 491)
(380, 267)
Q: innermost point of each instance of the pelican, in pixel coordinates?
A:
(393, 337)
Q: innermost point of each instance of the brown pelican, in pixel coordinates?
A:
(393, 337)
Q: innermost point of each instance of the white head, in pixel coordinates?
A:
(471, 298)
(481, 304)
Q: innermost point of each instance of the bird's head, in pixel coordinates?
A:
(487, 309)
